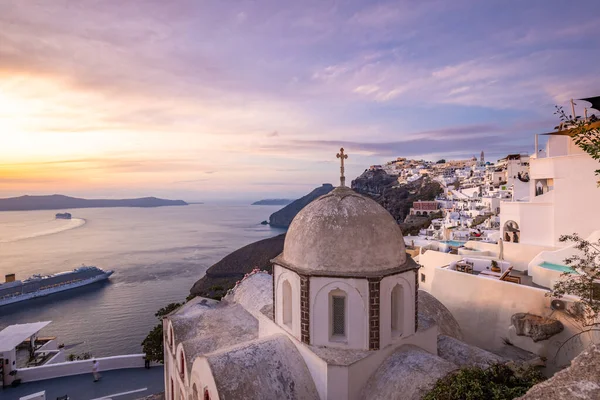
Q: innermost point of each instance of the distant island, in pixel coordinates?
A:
(283, 217)
(59, 202)
(272, 202)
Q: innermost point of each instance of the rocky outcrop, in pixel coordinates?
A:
(407, 374)
(536, 327)
(580, 381)
(465, 355)
(223, 275)
(395, 198)
(283, 217)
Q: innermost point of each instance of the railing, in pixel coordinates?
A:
(79, 367)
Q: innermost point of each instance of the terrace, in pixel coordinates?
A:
(483, 268)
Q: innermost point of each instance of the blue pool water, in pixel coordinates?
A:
(454, 243)
(557, 267)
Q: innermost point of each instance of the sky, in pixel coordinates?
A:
(203, 99)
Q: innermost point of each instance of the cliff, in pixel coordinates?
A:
(394, 197)
(60, 202)
(222, 276)
(283, 217)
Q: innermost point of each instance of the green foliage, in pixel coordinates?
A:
(152, 345)
(584, 283)
(498, 382)
(166, 310)
(442, 161)
(82, 356)
(584, 134)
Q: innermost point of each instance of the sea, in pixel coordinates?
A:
(157, 255)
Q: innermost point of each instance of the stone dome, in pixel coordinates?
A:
(344, 233)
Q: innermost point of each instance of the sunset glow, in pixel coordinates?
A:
(212, 99)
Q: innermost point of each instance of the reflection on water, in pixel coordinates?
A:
(157, 255)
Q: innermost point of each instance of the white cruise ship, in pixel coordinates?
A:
(13, 291)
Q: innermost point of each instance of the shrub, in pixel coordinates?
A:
(498, 382)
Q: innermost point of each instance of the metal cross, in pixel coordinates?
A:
(342, 157)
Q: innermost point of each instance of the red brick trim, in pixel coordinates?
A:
(374, 311)
(416, 299)
(305, 309)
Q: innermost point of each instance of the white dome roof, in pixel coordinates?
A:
(344, 234)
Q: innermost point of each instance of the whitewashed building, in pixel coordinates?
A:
(563, 196)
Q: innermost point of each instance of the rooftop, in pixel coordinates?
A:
(14, 335)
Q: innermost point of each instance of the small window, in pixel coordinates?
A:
(287, 304)
(338, 305)
(182, 366)
(397, 310)
(422, 277)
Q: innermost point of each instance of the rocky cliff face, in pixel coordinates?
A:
(580, 381)
(223, 275)
(283, 217)
(395, 198)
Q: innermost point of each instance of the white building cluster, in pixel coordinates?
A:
(342, 316)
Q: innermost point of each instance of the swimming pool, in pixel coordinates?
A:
(454, 243)
(557, 267)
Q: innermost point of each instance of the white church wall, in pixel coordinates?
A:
(280, 275)
(357, 295)
(169, 358)
(338, 383)
(407, 282)
(316, 366)
(203, 378)
(360, 372)
(180, 375)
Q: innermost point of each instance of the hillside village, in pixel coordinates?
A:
(355, 308)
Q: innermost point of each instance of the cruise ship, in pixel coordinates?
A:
(12, 291)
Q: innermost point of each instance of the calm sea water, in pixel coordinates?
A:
(157, 255)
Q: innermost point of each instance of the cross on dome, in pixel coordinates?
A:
(342, 157)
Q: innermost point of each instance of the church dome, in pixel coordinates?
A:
(344, 234)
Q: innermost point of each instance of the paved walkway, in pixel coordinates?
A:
(124, 384)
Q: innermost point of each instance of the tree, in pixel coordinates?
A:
(583, 281)
(152, 345)
(498, 382)
(586, 135)
(442, 161)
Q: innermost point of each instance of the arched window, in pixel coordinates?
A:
(195, 394)
(397, 310)
(337, 312)
(206, 394)
(181, 366)
(512, 232)
(287, 304)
